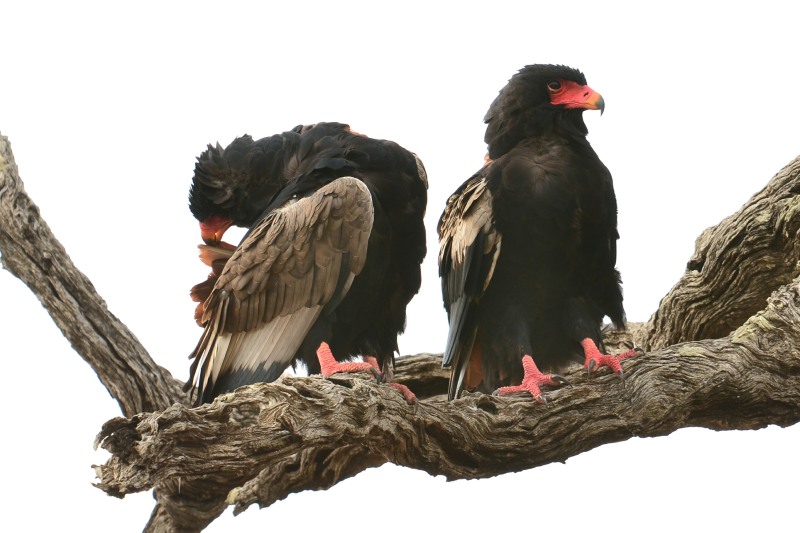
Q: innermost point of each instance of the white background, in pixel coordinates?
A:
(106, 108)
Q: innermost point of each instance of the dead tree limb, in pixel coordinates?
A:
(735, 266)
(31, 252)
(266, 441)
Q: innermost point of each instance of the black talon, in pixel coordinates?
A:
(377, 375)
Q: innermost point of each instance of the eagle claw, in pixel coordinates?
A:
(531, 382)
(595, 359)
(329, 365)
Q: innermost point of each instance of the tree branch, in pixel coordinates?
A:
(31, 252)
(735, 266)
(266, 441)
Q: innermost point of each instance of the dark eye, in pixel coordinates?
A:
(554, 86)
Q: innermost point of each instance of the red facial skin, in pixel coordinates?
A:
(574, 96)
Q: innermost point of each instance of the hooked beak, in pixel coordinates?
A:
(576, 96)
(213, 228)
(595, 101)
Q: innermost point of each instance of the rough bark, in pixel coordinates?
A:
(735, 266)
(270, 440)
(31, 252)
(266, 441)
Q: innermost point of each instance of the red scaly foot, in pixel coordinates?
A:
(408, 396)
(372, 362)
(595, 359)
(329, 365)
(532, 381)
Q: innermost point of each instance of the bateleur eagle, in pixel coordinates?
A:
(528, 244)
(330, 260)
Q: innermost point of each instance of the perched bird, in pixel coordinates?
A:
(528, 244)
(330, 260)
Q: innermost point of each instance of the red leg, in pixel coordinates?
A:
(408, 396)
(532, 381)
(330, 366)
(595, 359)
(371, 361)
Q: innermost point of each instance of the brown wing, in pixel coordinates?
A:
(469, 248)
(300, 258)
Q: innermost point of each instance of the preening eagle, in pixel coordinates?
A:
(528, 244)
(330, 261)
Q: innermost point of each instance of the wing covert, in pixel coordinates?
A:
(469, 249)
(299, 259)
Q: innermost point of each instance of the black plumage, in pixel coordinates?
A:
(332, 253)
(528, 243)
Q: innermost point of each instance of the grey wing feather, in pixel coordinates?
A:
(297, 260)
(469, 248)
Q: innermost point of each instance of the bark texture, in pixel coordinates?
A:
(735, 267)
(267, 441)
(740, 369)
(31, 252)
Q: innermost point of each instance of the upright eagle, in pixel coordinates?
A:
(528, 244)
(330, 260)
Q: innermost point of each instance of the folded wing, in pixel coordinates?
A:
(469, 248)
(296, 263)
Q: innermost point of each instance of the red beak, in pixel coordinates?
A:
(213, 228)
(576, 96)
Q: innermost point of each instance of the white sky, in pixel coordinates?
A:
(106, 108)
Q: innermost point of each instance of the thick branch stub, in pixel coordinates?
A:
(735, 267)
(423, 374)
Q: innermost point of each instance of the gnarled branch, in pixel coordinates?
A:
(735, 266)
(266, 441)
(263, 442)
(31, 252)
